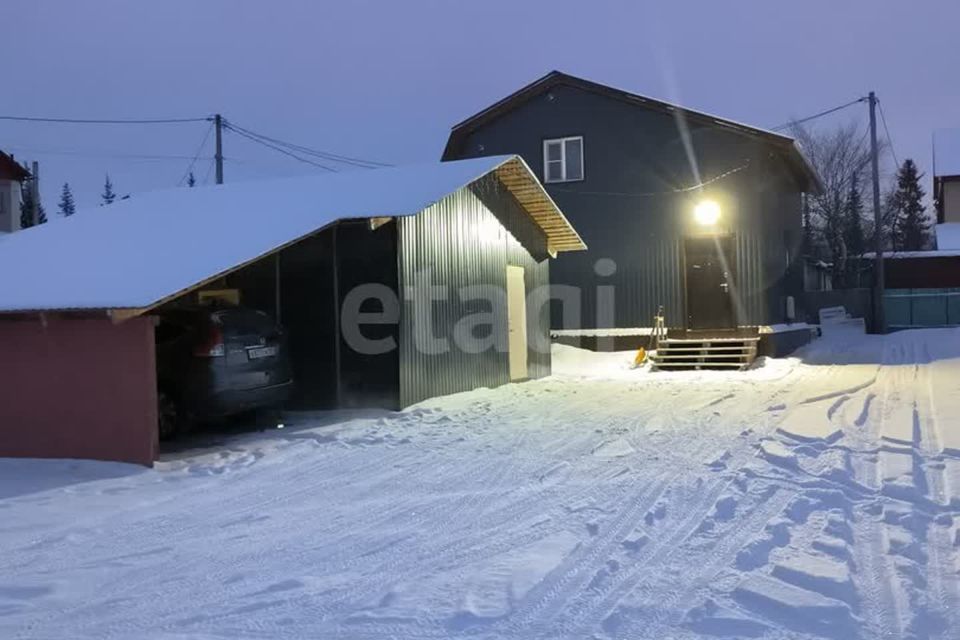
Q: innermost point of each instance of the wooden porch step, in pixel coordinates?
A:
(671, 348)
(705, 353)
(703, 356)
(716, 341)
(701, 365)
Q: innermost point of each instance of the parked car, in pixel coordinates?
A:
(217, 361)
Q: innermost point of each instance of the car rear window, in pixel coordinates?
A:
(245, 321)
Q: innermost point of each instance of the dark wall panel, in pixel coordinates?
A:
(316, 276)
(308, 313)
(634, 204)
(368, 256)
(459, 242)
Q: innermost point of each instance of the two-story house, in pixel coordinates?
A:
(680, 209)
(12, 176)
(946, 188)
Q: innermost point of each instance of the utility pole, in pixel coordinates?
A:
(218, 156)
(879, 321)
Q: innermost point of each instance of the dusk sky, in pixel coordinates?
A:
(387, 80)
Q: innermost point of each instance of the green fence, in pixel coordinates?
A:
(921, 307)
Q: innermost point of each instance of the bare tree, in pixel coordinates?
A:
(841, 157)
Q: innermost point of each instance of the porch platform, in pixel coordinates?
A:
(712, 349)
(774, 340)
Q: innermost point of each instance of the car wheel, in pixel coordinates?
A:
(168, 415)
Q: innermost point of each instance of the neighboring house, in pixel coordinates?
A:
(626, 170)
(946, 188)
(817, 275)
(12, 176)
(922, 288)
(393, 285)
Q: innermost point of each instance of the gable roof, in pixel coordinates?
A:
(140, 252)
(784, 143)
(10, 169)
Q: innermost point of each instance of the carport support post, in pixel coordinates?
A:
(879, 322)
(218, 155)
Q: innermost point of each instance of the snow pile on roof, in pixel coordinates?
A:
(946, 152)
(948, 236)
(136, 252)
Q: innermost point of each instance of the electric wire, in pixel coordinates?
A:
(105, 121)
(206, 176)
(649, 194)
(196, 156)
(826, 112)
(883, 119)
(287, 152)
(326, 155)
(96, 154)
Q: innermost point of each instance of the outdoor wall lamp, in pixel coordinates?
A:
(707, 213)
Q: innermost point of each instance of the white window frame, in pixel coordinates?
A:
(563, 159)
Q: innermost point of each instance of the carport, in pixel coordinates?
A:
(76, 324)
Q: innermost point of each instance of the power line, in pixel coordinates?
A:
(206, 176)
(196, 156)
(827, 112)
(95, 154)
(326, 155)
(105, 121)
(637, 194)
(229, 127)
(883, 119)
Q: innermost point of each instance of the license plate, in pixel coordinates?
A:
(261, 352)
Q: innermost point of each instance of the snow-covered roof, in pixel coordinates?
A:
(137, 252)
(946, 152)
(948, 236)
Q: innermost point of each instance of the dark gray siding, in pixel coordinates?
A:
(367, 256)
(316, 274)
(628, 209)
(468, 238)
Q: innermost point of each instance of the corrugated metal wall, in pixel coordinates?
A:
(644, 278)
(460, 242)
(634, 204)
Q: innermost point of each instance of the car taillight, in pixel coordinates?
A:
(212, 346)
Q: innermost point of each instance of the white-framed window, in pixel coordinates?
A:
(563, 159)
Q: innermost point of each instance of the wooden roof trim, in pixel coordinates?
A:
(520, 180)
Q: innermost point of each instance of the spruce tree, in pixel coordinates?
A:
(108, 195)
(67, 206)
(191, 181)
(41, 214)
(853, 220)
(26, 208)
(911, 228)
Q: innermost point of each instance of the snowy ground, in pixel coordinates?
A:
(803, 499)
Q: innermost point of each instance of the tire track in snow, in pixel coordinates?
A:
(700, 567)
(579, 571)
(882, 596)
(621, 584)
(548, 597)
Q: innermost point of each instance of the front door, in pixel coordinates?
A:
(517, 322)
(709, 277)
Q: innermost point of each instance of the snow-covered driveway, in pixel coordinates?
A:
(802, 499)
